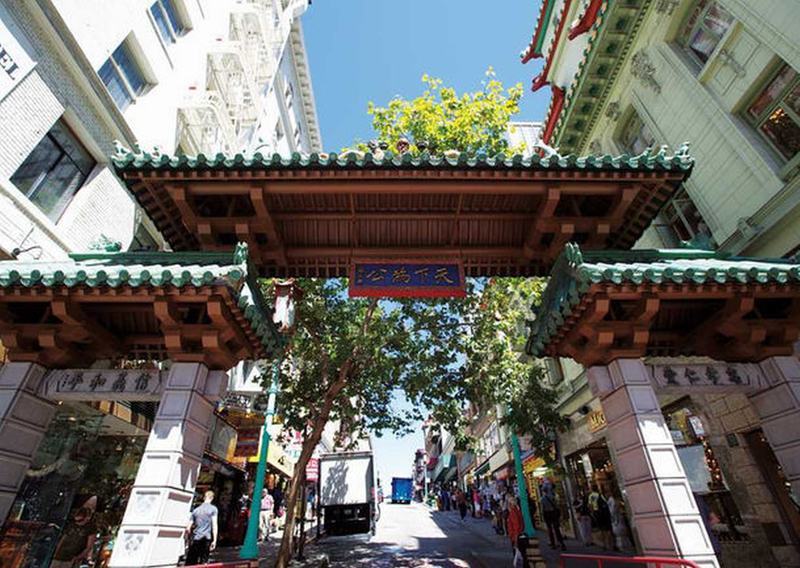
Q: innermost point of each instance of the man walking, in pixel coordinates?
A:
(203, 531)
(265, 517)
(552, 514)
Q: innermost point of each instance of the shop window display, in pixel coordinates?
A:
(72, 500)
(591, 473)
(703, 471)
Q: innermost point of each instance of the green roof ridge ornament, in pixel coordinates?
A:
(105, 244)
(240, 255)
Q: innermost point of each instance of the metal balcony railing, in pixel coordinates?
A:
(204, 124)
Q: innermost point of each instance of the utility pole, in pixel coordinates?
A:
(249, 550)
(522, 487)
(285, 293)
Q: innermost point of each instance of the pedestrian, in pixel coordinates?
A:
(203, 531)
(476, 502)
(581, 507)
(601, 516)
(265, 516)
(514, 523)
(619, 527)
(461, 501)
(552, 514)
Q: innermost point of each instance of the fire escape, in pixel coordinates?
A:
(239, 73)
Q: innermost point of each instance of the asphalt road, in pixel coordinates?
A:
(413, 536)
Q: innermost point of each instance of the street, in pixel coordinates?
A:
(414, 536)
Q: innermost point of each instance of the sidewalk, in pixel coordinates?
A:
(483, 528)
(267, 550)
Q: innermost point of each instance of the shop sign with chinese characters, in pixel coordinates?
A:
(102, 384)
(407, 279)
(712, 377)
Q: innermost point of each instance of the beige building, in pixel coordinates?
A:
(722, 75)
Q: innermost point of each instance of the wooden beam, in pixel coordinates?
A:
(546, 211)
(71, 314)
(274, 240)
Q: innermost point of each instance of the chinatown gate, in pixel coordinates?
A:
(67, 324)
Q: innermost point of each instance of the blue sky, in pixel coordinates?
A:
(372, 50)
(362, 50)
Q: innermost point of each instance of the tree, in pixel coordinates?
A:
(497, 369)
(440, 119)
(348, 357)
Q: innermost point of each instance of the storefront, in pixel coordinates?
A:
(706, 478)
(536, 471)
(73, 497)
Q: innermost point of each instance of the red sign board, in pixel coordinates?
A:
(407, 279)
(312, 470)
(247, 442)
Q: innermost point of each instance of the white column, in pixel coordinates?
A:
(665, 514)
(778, 408)
(24, 417)
(158, 509)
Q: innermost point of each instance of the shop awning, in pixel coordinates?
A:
(483, 468)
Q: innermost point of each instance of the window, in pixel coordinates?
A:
(122, 76)
(169, 25)
(680, 220)
(775, 112)
(705, 28)
(54, 171)
(635, 137)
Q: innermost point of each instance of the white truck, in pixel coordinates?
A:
(347, 492)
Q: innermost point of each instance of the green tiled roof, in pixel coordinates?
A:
(576, 271)
(134, 269)
(127, 161)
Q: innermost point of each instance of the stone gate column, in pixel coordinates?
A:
(24, 417)
(778, 407)
(665, 514)
(153, 527)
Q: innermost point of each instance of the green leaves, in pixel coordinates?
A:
(497, 370)
(440, 119)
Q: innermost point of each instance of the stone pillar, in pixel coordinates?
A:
(24, 417)
(152, 530)
(778, 407)
(665, 514)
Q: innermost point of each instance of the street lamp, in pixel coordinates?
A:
(285, 294)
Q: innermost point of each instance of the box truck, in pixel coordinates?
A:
(347, 492)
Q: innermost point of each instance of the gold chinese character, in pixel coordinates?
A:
(377, 275)
(441, 276)
(400, 275)
(422, 272)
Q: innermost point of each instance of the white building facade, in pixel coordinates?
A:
(171, 75)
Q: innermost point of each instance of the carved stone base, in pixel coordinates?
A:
(665, 514)
(152, 530)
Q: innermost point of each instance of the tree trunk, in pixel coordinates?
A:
(285, 552)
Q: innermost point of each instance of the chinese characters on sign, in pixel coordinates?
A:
(709, 377)
(597, 421)
(102, 384)
(412, 279)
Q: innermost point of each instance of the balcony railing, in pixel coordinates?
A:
(204, 124)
